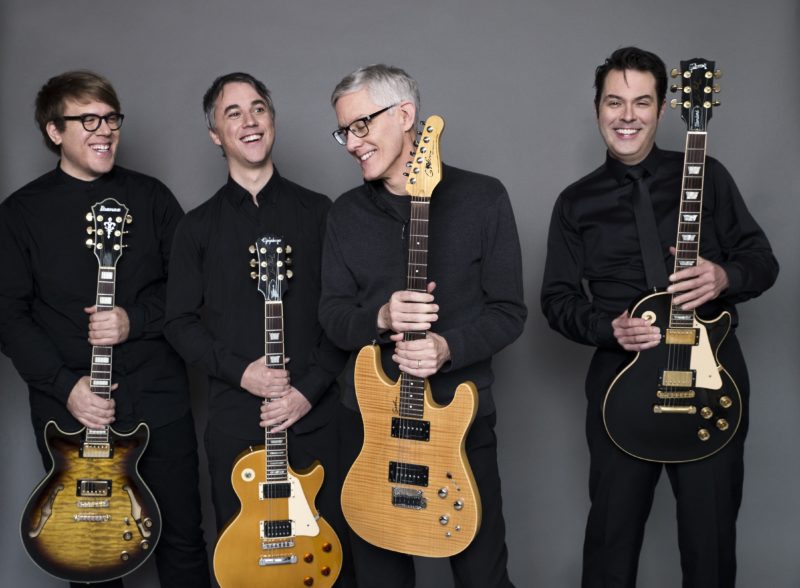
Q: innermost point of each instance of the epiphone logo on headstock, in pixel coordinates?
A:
(270, 240)
(693, 66)
(108, 209)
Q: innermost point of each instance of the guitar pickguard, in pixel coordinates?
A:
(304, 521)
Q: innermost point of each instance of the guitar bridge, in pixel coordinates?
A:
(688, 394)
(661, 409)
(408, 498)
(264, 560)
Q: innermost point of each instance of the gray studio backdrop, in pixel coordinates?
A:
(513, 80)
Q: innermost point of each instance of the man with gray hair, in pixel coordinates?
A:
(212, 276)
(473, 309)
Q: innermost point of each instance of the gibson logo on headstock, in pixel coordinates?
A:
(693, 66)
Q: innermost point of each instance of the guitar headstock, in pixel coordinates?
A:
(271, 261)
(109, 219)
(697, 90)
(425, 171)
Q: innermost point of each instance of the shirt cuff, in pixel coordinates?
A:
(735, 277)
(64, 383)
(233, 369)
(312, 386)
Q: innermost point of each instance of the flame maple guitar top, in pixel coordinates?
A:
(451, 516)
(239, 548)
(91, 538)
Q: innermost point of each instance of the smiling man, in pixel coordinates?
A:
(48, 323)
(594, 240)
(211, 261)
(472, 310)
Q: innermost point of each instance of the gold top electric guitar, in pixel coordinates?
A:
(92, 518)
(278, 538)
(676, 402)
(411, 488)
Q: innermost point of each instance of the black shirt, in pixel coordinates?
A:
(474, 258)
(49, 277)
(210, 261)
(593, 237)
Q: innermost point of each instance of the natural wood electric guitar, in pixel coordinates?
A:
(278, 538)
(675, 402)
(92, 518)
(411, 488)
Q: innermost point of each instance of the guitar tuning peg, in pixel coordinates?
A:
(416, 143)
(252, 249)
(717, 74)
(253, 263)
(426, 140)
(125, 246)
(288, 261)
(411, 153)
(89, 230)
(409, 164)
(128, 219)
(288, 249)
(674, 73)
(89, 243)
(405, 174)
(429, 129)
(89, 216)
(716, 89)
(673, 103)
(253, 275)
(413, 180)
(289, 273)
(715, 103)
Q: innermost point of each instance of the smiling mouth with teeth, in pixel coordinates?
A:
(627, 132)
(101, 148)
(251, 138)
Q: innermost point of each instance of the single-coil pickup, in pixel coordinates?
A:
(408, 498)
(272, 529)
(677, 379)
(264, 560)
(96, 450)
(408, 473)
(412, 429)
(94, 488)
(276, 490)
(683, 336)
(85, 517)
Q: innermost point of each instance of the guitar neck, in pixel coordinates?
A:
(687, 245)
(276, 448)
(411, 387)
(100, 377)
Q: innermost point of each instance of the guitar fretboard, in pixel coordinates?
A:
(687, 245)
(100, 376)
(412, 387)
(275, 443)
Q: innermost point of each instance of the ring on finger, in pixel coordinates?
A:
(419, 362)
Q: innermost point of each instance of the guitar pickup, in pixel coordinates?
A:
(279, 490)
(408, 498)
(273, 529)
(677, 379)
(683, 336)
(412, 429)
(408, 473)
(96, 450)
(93, 488)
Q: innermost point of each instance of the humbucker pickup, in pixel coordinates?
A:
(411, 429)
(96, 450)
(93, 488)
(678, 379)
(682, 336)
(408, 498)
(279, 490)
(408, 473)
(273, 529)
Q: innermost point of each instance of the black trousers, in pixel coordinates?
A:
(318, 445)
(481, 565)
(708, 493)
(169, 466)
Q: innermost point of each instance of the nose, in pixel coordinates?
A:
(628, 112)
(353, 142)
(249, 119)
(103, 129)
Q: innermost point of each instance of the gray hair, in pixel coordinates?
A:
(386, 85)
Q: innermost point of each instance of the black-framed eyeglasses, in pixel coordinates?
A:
(92, 122)
(359, 127)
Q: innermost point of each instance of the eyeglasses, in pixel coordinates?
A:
(92, 122)
(359, 127)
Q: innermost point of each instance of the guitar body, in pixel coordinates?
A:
(91, 519)
(695, 420)
(312, 553)
(439, 528)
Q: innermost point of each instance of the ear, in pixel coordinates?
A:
(663, 107)
(54, 133)
(408, 112)
(214, 137)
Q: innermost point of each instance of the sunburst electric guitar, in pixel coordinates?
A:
(278, 537)
(411, 488)
(676, 402)
(92, 518)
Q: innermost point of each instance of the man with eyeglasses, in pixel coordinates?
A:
(210, 274)
(48, 323)
(474, 306)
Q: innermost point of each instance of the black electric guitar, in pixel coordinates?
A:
(675, 402)
(411, 489)
(92, 518)
(278, 538)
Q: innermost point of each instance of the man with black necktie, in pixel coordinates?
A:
(599, 236)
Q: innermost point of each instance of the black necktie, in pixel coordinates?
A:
(649, 242)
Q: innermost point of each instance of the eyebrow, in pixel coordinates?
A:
(615, 97)
(258, 102)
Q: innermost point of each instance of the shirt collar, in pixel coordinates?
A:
(64, 178)
(269, 193)
(620, 170)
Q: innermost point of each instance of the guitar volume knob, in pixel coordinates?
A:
(444, 519)
(327, 547)
(706, 412)
(703, 435)
(443, 492)
(722, 424)
(725, 402)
